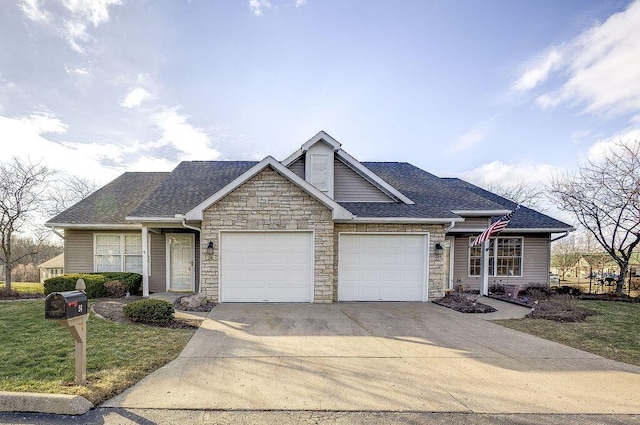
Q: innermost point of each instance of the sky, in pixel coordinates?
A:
(488, 91)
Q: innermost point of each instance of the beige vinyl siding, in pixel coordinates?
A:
(298, 167)
(78, 250)
(158, 263)
(350, 186)
(535, 263)
(475, 223)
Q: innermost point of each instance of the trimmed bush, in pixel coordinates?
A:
(151, 311)
(116, 288)
(133, 280)
(67, 282)
(94, 282)
(568, 290)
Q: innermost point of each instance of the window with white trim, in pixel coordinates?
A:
(118, 253)
(505, 257)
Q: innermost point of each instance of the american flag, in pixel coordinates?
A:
(494, 229)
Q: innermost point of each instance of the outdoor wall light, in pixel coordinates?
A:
(210, 248)
(439, 250)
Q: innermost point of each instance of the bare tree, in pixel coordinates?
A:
(21, 187)
(565, 255)
(519, 192)
(66, 191)
(604, 197)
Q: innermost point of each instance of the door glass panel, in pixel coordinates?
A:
(180, 252)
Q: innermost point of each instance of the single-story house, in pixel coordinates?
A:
(52, 267)
(319, 226)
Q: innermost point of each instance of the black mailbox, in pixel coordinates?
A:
(65, 305)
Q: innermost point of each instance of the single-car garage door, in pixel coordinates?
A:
(382, 267)
(266, 267)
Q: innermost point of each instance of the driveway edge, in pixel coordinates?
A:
(59, 404)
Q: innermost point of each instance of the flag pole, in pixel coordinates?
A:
(484, 258)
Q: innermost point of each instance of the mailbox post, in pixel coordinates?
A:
(70, 308)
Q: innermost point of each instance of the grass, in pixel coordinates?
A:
(614, 332)
(25, 287)
(38, 355)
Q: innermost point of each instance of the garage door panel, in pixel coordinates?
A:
(382, 267)
(266, 267)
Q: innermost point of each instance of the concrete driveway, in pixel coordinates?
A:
(379, 357)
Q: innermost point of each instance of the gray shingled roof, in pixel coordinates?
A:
(191, 182)
(111, 203)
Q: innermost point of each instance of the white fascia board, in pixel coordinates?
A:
(101, 226)
(153, 219)
(408, 220)
(516, 230)
(339, 212)
(320, 136)
(292, 158)
(480, 213)
(364, 171)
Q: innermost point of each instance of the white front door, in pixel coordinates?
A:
(180, 261)
(382, 267)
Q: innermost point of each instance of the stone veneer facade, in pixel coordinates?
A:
(436, 283)
(269, 201)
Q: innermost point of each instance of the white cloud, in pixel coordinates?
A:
(539, 72)
(135, 97)
(257, 6)
(469, 139)
(95, 11)
(600, 66)
(300, 3)
(44, 122)
(82, 72)
(601, 147)
(177, 132)
(33, 11)
(74, 32)
(580, 134)
(502, 173)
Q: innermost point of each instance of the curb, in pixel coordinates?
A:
(59, 404)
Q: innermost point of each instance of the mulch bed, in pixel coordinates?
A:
(111, 309)
(463, 304)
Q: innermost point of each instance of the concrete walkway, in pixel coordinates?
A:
(397, 357)
(505, 310)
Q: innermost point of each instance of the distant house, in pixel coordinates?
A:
(319, 226)
(51, 268)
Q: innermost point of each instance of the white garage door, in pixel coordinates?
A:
(382, 267)
(266, 267)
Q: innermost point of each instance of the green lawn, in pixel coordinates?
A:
(38, 355)
(26, 287)
(613, 333)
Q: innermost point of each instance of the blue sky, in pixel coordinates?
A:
(487, 91)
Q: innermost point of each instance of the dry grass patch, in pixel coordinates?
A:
(612, 331)
(38, 354)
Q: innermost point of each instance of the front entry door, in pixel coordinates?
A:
(181, 266)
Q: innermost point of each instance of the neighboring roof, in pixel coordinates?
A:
(56, 262)
(111, 203)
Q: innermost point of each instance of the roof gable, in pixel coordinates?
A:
(338, 211)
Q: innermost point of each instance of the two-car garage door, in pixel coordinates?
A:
(278, 267)
(382, 267)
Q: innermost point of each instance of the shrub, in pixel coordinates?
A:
(496, 289)
(151, 311)
(67, 282)
(116, 288)
(536, 291)
(133, 280)
(568, 290)
(560, 308)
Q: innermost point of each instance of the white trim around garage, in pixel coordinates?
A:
(309, 296)
(426, 237)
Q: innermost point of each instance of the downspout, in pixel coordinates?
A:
(186, 226)
(560, 237)
(53, 229)
(446, 230)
